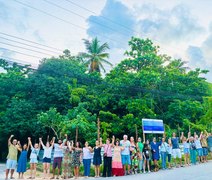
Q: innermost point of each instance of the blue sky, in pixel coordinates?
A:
(183, 29)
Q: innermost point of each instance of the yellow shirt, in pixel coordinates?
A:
(13, 152)
(204, 142)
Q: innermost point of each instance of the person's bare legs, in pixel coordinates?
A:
(48, 169)
(11, 173)
(22, 175)
(95, 168)
(124, 166)
(7, 173)
(34, 170)
(98, 171)
(44, 170)
(128, 169)
(58, 172)
(148, 166)
(144, 166)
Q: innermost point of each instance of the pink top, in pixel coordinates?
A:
(108, 149)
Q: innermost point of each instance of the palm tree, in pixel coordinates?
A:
(95, 55)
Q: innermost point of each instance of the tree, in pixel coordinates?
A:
(96, 55)
(53, 120)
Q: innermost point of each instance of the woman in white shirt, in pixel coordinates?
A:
(47, 156)
(87, 156)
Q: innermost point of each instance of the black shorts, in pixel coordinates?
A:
(57, 162)
(46, 160)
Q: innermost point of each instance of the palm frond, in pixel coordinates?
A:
(106, 62)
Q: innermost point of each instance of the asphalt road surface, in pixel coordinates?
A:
(195, 172)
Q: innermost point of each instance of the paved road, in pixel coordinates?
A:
(197, 172)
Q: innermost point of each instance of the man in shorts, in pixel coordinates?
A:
(176, 149)
(58, 157)
(125, 154)
(204, 144)
(12, 157)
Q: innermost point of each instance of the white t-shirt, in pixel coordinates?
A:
(125, 144)
(34, 153)
(47, 152)
(87, 154)
(198, 144)
(58, 151)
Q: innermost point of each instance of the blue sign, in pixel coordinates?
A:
(153, 126)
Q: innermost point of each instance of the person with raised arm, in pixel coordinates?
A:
(47, 157)
(140, 147)
(66, 158)
(192, 150)
(87, 156)
(146, 156)
(198, 146)
(33, 158)
(76, 158)
(97, 158)
(204, 144)
(107, 166)
(176, 149)
(169, 152)
(12, 157)
(164, 152)
(22, 161)
(125, 154)
(186, 148)
(58, 157)
(133, 151)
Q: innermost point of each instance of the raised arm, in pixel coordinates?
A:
(206, 134)
(53, 140)
(9, 140)
(29, 142)
(41, 142)
(189, 135)
(18, 146)
(100, 142)
(201, 135)
(182, 136)
(113, 141)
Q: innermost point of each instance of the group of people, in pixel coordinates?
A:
(120, 158)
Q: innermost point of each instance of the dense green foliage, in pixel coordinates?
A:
(62, 95)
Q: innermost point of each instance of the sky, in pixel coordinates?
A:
(182, 29)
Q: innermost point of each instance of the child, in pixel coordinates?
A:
(186, 148)
(33, 158)
(135, 162)
(22, 162)
(169, 150)
(146, 156)
(47, 156)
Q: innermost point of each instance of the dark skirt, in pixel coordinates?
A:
(97, 160)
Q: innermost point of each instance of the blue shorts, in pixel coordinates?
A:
(125, 159)
(11, 164)
(34, 160)
(186, 151)
(205, 151)
(200, 152)
(46, 160)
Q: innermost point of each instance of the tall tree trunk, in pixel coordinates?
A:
(76, 138)
(98, 129)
